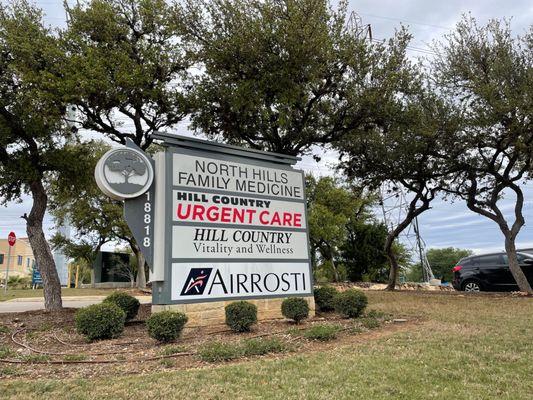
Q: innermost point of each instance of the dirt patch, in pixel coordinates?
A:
(38, 344)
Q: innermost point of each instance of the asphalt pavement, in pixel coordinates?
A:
(36, 303)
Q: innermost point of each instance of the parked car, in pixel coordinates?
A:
(490, 272)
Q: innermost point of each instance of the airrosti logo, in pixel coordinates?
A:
(196, 281)
(213, 282)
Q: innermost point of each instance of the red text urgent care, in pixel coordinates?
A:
(231, 215)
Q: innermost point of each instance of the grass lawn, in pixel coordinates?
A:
(464, 347)
(26, 293)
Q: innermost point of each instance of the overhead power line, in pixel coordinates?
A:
(406, 20)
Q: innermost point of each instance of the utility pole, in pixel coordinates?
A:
(394, 206)
(11, 240)
(7, 267)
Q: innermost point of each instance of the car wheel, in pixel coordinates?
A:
(471, 286)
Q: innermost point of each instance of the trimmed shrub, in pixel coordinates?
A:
(295, 308)
(322, 332)
(350, 303)
(324, 298)
(127, 303)
(166, 326)
(240, 316)
(100, 321)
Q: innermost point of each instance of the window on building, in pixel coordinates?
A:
(28, 262)
(19, 260)
(1, 258)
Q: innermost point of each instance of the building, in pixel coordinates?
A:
(60, 260)
(112, 270)
(21, 262)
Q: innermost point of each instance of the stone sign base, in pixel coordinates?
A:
(213, 313)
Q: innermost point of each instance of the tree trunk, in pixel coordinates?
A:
(394, 267)
(517, 272)
(335, 272)
(412, 212)
(93, 278)
(141, 261)
(41, 249)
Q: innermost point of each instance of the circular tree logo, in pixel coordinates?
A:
(124, 173)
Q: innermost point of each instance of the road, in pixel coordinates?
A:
(31, 304)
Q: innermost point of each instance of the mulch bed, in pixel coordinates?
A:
(46, 345)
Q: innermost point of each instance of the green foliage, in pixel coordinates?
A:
(6, 352)
(218, 351)
(96, 218)
(295, 308)
(331, 207)
(363, 251)
(351, 303)
(441, 261)
(100, 321)
(35, 358)
(4, 329)
(370, 322)
(377, 314)
(75, 357)
(324, 298)
(326, 272)
(46, 326)
(35, 144)
(166, 326)
(241, 315)
(19, 282)
(489, 71)
(169, 350)
(261, 346)
(126, 302)
(167, 363)
(323, 332)
(123, 70)
(301, 78)
(9, 371)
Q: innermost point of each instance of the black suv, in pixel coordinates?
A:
(490, 272)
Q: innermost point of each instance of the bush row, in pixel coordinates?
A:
(106, 320)
(350, 303)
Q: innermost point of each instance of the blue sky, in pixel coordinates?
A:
(446, 224)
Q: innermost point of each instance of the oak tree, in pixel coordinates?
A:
(412, 149)
(487, 72)
(286, 75)
(35, 144)
(127, 71)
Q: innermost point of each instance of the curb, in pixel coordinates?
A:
(142, 299)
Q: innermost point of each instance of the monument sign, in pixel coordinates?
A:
(216, 222)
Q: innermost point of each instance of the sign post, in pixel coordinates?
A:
(11, 240)
(216, 223)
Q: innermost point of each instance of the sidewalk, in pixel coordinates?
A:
(37, 303)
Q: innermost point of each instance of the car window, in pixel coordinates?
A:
(487, 261)
(521, 257)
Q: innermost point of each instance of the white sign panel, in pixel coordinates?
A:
(227, 176)
(195, 281)
(225, 209)
(206, 242)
